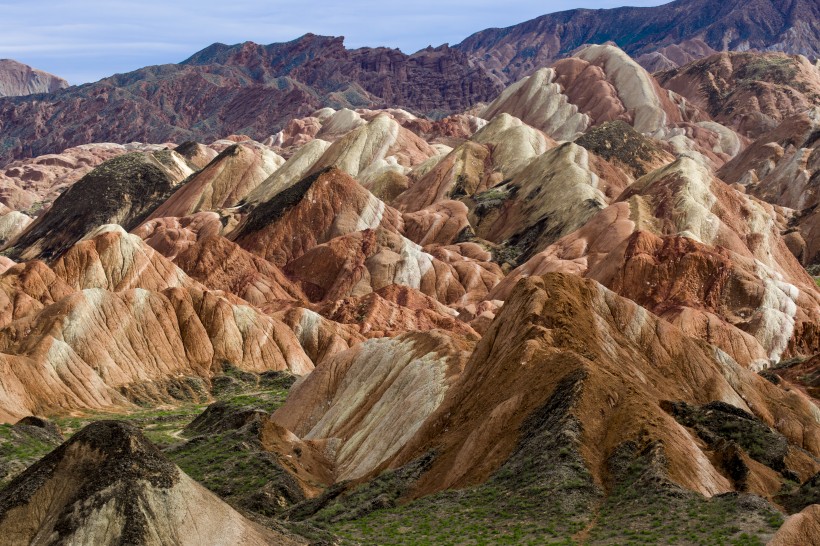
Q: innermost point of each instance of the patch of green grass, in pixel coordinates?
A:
(19, 450)
(543, 494)
(795, 496)
(266, 391)
(720, 420)
(165, 426)
(20, 446)
(269, 400)
(770, 68)
(162, 426)
(482, 515)
(642, 508)
(499, 193)
(234, 465)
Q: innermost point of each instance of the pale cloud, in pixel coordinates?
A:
(87, 40)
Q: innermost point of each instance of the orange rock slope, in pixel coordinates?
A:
(593, 267)
(113, 318)
(628, 368)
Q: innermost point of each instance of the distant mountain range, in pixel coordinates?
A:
(254, 89)
(587, 311)
(667, 35)
(18, 79)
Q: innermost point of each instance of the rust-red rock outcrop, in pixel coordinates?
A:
(750, 92)
(709, 258)
(245, 88)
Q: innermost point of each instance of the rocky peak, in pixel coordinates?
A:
(110, 468)
(776, 25)
(18, 79)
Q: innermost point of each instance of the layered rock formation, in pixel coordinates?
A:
(259, 89)
(221, 90)
(110, 470)
(781, 167)
(749, 92)
(580, 310)
(17, 79)
(123, 190)
(562, 350)
(802, 528)
(677, 33)
(598, 84)
(601, 84)
(354, 245)
(224, 182)
(718, 242)
(114, 321)
(36, 182)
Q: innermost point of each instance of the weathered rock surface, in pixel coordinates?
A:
(495, 152)
(805, 374)
(123, 190)
(17, 79)
(171, 236)
(802, 528)
(691, 249)
(12, 224)
(601, 84)
(110, 473)
(33, 184)
(749, 92)
(558, 309)
(245, 88)
(555, 194)
(369, 151)
(560, 326)
(313, 211)
(378, 395)
(224, 182)
(222, 87)
(393, 310)
(782, 167)
(692, 27)
(114, 314)
(623, 362)
(220, 264)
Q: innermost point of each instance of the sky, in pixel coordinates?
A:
(85, 40)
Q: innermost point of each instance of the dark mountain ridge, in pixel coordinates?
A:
(687, 25)
(254, 89)
(247, 88)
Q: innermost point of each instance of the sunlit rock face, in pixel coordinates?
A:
(588, 296)
(111, 470)
(17, 79)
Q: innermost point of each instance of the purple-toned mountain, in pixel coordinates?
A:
(659, 37)
(246, 88)
(255, 89)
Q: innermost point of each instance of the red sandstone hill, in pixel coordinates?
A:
(245, 88)
(664, 36)
(256, 89)
(579, 311)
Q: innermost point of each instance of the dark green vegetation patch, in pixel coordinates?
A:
(617, 140)
(123, 190)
